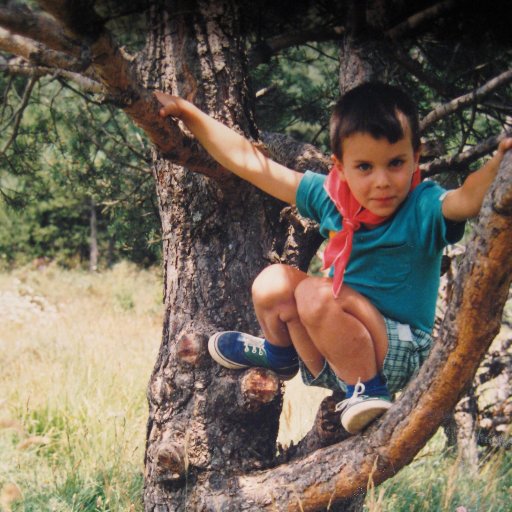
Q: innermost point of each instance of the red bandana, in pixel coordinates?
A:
(338, 249)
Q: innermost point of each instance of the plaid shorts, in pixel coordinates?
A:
(407, 350)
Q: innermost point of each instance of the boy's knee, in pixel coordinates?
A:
(312, 298)
(272, 284)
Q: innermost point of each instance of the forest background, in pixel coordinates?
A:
(77, 194)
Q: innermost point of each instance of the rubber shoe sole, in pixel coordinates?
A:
(360, 415)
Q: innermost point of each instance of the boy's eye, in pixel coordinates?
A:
(397, 162)
(364, 167)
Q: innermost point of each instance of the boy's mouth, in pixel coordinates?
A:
(383, 199)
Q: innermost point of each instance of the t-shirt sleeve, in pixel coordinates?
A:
(434, 228)
(311, 198)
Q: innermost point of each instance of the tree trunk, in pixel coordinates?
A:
(205, 423)
(360, 55)
(93, 240)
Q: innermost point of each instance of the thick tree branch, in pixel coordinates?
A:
(414, 21)
(461, 160)
(42, 28)
(262, 52)
(470, 324)
(122, 87)
(467, 99)
(35, 53)
(17, 66)
(294, 154)
(116, 72)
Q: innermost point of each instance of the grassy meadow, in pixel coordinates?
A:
(76, 352)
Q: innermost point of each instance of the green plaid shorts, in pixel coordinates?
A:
(407, 350)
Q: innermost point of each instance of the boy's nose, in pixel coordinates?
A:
(381, 178)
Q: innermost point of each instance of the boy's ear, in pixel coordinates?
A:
(338, 165)
(417, 155)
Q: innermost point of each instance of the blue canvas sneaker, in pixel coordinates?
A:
(237, 351)
(358, 411)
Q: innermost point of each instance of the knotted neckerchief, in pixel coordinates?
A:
(339, 247)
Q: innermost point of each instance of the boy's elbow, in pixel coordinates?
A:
(459, 206)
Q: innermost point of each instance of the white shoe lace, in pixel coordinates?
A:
(358, 392)
(253, 348)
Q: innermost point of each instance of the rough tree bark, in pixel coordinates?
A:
(205, 423)
(93, 238)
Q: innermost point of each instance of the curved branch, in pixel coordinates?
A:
(19, 67)
(262, 52)
(419, 18)
(471, 322)
(462, 160)
(42, 28)
(467, 99)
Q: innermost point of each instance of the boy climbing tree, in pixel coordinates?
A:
(366, 329)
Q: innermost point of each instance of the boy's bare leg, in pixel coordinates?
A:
(349, 331)
(276, 309)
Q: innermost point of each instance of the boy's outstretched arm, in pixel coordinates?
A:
(466, 201)
(233, 151)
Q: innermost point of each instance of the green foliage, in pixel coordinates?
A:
(297, 91)
(69, 154)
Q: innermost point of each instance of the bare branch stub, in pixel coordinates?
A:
(191, 349)
(258, 387)
(171, 461)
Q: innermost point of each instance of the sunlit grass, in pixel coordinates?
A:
(73, 381)
(438, 480)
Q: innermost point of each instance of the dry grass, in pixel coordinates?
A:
(76, 351)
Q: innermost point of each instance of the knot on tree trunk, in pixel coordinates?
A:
(171, 461)
(191, 349)
(258, 387)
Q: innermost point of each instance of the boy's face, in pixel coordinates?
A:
(377, 172)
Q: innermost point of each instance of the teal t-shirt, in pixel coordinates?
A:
(396, 265)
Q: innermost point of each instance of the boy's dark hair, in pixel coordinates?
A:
(373, 108)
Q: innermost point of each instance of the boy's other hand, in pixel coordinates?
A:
(505, 145)
(170, 104)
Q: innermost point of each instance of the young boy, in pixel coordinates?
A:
(366, 328)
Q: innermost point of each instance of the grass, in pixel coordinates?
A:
(438, 481)
(76, 352)
(74, 372)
